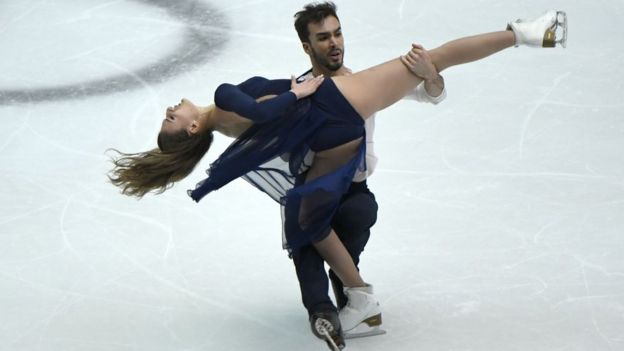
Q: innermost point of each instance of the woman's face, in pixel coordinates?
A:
(180, 116)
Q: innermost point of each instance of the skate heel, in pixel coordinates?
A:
(373, 321)
(371, 326)
(549, 39)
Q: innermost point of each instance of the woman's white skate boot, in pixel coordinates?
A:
(547, 30)
(362, 315)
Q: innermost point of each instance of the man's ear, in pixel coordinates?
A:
(306, 48)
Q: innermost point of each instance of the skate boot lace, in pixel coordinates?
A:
(323, 326)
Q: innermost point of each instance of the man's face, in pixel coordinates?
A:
(326, 46)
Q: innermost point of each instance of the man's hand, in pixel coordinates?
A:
(305, 88)
(419, 63)
(417, 60)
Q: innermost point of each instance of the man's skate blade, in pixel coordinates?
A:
(331, 344)
(353, 334)
(334, 345)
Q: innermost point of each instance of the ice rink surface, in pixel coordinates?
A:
(501, 216)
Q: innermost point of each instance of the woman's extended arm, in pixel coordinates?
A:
(241, 99)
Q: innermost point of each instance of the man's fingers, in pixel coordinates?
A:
(406, 61)
(422, 52)
(414, 55)
(417, 51)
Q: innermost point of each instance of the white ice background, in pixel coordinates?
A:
(501, 216)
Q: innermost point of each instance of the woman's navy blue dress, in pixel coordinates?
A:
(271, 154)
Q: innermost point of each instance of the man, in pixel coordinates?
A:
(320, 33)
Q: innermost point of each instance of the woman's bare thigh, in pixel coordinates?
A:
(378, 87)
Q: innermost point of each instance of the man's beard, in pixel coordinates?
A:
(324, 61)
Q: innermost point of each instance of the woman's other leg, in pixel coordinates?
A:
(331, 248)
(337, 257)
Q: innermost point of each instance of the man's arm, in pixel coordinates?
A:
(432, 88)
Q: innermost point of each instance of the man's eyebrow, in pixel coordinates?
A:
(339, 29)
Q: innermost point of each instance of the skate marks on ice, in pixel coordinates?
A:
(205, 31)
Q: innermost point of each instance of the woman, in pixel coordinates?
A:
(277, 123)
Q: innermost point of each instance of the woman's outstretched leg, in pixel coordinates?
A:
(380, 86)
(469, 49)
(537, 32)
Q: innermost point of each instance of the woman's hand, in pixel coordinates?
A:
(417, 60)
(305, 88)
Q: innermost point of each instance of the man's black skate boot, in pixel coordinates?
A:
(326, 326)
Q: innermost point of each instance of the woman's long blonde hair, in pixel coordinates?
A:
(158, 169)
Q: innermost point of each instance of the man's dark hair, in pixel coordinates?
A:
(312, 13)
